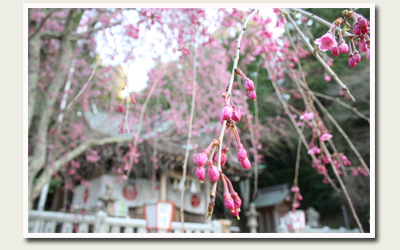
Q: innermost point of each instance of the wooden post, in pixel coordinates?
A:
(163, 187)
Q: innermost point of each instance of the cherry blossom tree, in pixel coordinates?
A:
(71, 76)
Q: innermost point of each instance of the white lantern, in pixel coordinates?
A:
(159, 216)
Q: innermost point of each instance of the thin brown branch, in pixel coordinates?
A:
(189, 137)
(343, 134)
(355, 110)
(136, 138)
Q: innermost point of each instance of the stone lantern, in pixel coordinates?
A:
(108, 200)
(252, 218)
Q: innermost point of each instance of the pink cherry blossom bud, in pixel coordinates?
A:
(295, 189)
(362, 171)
(248, 84)
(326, 42)
(299, 196)
(357, 57)
(224, 156)
(201, 173)
(368, 55)
(245, 163)
(237, 200)
(228, 201)
(343, 47)
(326, 160)
(354, 172)
(213, 172)
(335, 51)
(327, 78)
(121, 108)
(363, 45)
(356, 28)
(314, 150)
(133, 99)
(325, 137)
(236, 114)
(307, 116)
(226, 113)
(252, 95)
(241, 153)
(352, 63)
(201, 159)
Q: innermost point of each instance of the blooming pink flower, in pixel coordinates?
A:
(325, 137)
(314, 150)
(343, 47)
(326, 42)
(368, 55)
(245, 163)
(335, 51)
(354, 172)
(213, 172)
(226, 113)
(248, 84)
(201, 173)
(307, 116)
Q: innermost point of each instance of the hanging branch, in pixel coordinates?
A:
(320, 20)
(354, 109)
(289, 113)
(189, 137)
(323, 63)
(346, 137)
(136, 137)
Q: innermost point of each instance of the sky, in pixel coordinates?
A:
(137, 71)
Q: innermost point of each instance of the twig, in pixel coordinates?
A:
(343, 187)
(355, 110)
(284, 104)
(320, 20)
(189, 137)
(323, 63)
(229, 88)
(343, 134)
(136, 137)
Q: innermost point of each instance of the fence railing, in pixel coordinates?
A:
(57, 222)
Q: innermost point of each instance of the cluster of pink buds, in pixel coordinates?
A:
(205, 158)
(248, 84)
(296, 197)
(361, 31)
(230, 114)
(232, 200)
